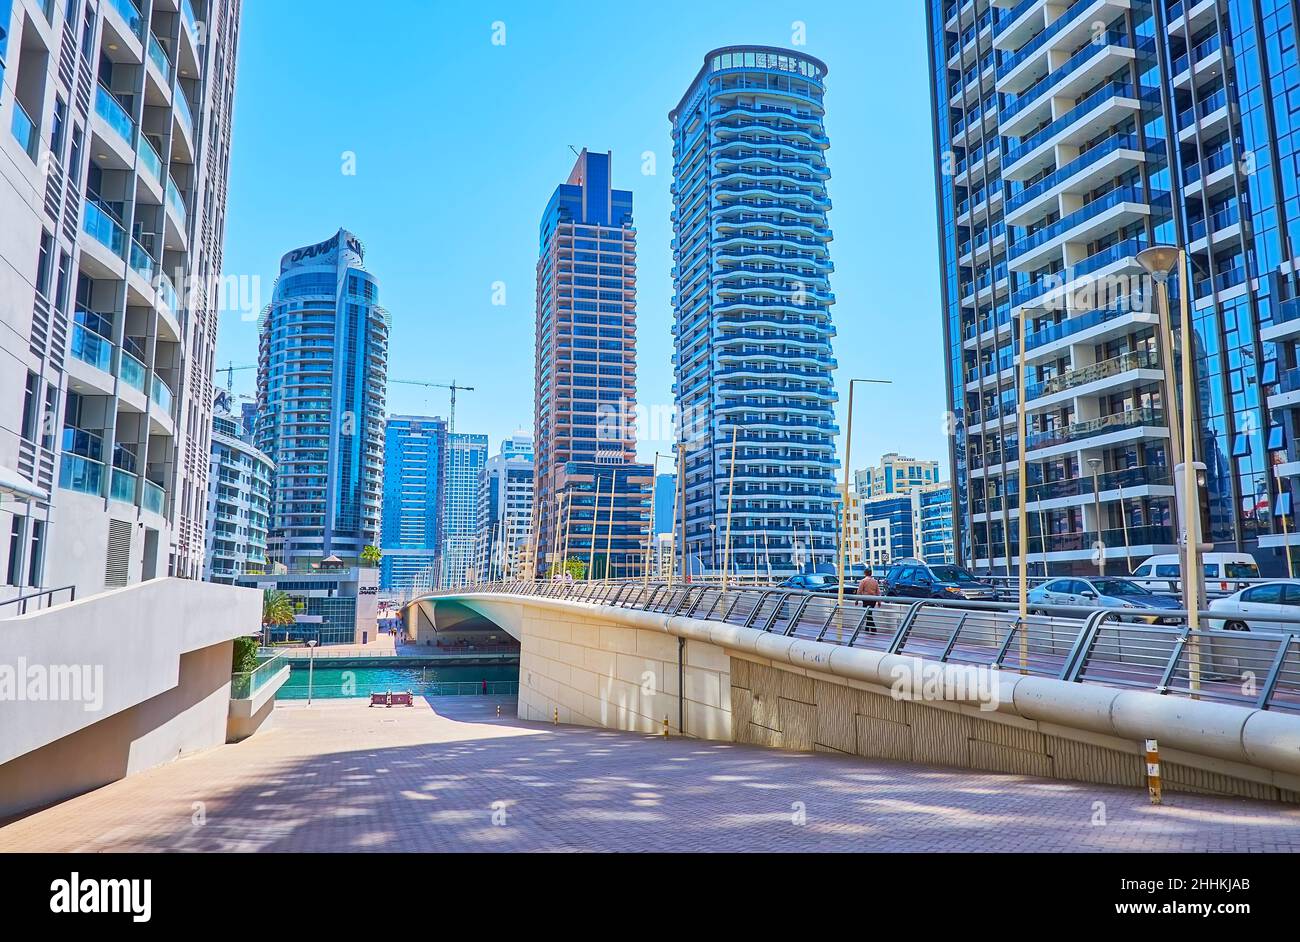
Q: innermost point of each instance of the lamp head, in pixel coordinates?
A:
(1158, 260)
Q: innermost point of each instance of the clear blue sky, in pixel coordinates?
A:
(459, 144)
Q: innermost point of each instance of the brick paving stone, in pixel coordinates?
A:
(449, 775)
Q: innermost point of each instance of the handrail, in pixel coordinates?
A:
(1142, 649)
(22, 600)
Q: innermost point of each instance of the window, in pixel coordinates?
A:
(60, 127)
(43, 264)
(36, 557)
(1264, 594)
(30, 407)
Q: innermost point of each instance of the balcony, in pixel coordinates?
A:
(1100, 163)
(89, 347)
(1286, 322)
(158, 56)
(130, 16)
(1115, 210)
(1029, 62)
(80, 474)
(1092, 428)
(24, 130)
(153, 498)
(149, 158)
(122, 486)
(98, 223)
(161, 394)
(131, 371)
(1139, 362)
(142, 263)
(1104, 108)
(1119, 483)
(1102, 55)
(110, 109)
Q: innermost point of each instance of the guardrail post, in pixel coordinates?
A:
(904, 626)
(952, 641)
(868, 614)
(1266, 694)
(1083, 643)
(749, 620)
(798, 613)
(776, 610)
(1168, 673)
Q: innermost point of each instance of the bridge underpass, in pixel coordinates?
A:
(952, 685)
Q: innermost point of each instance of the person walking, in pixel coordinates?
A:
(869, 587)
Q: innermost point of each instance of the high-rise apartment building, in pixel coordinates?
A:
(895, 474)
(465, 458)
(239, 499)
(586, 356)
(505, 509)
(414, 449)
(752, 323)
(114, 152)
(932, 523)
(322, 369)
(1069, 137)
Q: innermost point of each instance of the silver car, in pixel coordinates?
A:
(1135, 602)
(1259, 607)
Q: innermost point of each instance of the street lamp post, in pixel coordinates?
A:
(1159, 261)
(1094, 464)
(311, 667)
(844, 494)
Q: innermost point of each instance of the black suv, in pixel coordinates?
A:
(917, 579)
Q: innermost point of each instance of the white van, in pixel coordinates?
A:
(1222, 572)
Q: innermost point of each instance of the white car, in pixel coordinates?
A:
(1258, 607)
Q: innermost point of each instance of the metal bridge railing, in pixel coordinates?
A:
(1255, 668)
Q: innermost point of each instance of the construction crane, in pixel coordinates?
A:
(230, 372)
(451, 420)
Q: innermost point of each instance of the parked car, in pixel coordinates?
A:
(916, 579)
(1256, 607)
(814, 582)
(1162, 573)
(1107, 592)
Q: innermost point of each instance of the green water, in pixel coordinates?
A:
(335, 681)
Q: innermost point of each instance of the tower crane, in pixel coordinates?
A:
(451, 420)
(230, 372)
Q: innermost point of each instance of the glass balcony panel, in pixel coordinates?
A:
(131, 371)
(153, 498)
(97, 222)
(110, 109)
(81, 474)
(122, 486)
(88, 347)
(24, 130)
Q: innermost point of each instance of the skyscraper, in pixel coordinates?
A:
(752, 300)
(414, 451)
(322, 366)
(239, 499)
(505, 509)
(114, 149)
(586, 367)
(465, 458)
(1068, 138)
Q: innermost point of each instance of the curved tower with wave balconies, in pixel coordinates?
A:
(752, 323)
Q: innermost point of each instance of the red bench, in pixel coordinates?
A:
(392, 699)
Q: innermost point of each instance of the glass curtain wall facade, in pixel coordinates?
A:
(466, 456)
(115, 124)
(409, 535)
(505, 510)
(239, 500)
(586, 339)
(322, 369)
(1068, 137)
(752, 324)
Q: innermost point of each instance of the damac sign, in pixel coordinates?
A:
(320, 248)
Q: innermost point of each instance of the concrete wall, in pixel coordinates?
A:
(189, 717)
(159, 654)
(591, 661)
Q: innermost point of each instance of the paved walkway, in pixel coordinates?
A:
(448, 775)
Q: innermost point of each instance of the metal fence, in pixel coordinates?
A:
(1256, 668)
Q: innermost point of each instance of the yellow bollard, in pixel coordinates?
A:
(665, 727)
(557, 716)
(1153, 771)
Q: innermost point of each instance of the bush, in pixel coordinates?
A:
(245, 655)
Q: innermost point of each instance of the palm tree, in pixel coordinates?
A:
(370, 556)
(277, 608)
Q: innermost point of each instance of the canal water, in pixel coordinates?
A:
(334, 680)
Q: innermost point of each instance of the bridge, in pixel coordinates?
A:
(1057, 694)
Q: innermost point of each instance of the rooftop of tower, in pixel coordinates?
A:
(820, 68)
